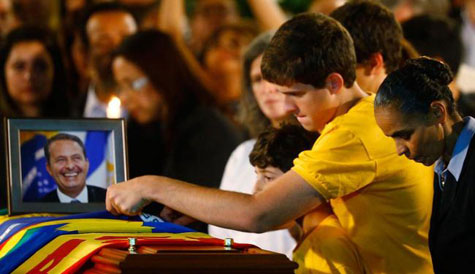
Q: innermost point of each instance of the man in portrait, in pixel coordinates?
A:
(67, 163)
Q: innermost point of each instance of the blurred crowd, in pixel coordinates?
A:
(187, 72)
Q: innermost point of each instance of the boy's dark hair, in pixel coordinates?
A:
(98, 8)
(306, 49)
(279, 147)
(435, 36)
(62, 136)
(374, 29)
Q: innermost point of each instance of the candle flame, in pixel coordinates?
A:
(113, 108)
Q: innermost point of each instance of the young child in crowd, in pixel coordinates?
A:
(275, 150)
(272, 156)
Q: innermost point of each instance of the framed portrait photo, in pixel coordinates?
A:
(63, 166)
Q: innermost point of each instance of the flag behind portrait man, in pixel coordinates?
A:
(36, 181)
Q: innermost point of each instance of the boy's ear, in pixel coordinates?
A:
(334, 82)
(374, 64)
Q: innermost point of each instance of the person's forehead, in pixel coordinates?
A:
(28, 48)
(391, 119)
(256, 65)
(116, 19)
(272, 168)
(129, 69)
(268, 169)
(234, 33)
(296, 86)
(213, 4)
(68, 144)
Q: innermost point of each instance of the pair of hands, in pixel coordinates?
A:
(128, 198)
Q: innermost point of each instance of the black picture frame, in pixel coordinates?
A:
(23, 134)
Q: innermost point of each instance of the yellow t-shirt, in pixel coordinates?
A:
(327, 249)
(383, 201)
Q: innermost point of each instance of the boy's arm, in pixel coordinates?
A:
(287, 198)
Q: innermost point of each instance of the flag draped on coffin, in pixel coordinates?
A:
(64, 244)
(36, 181)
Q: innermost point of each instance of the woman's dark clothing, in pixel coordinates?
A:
(196, 152)
(146, 149)
(452, 229)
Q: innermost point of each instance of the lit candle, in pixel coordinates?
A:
(113, 108)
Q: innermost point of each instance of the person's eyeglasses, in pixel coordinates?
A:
(134, 86)
(139, 83)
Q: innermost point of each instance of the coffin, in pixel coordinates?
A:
(189, 259)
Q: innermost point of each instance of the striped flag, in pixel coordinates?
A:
(42, 244)
(25, 237)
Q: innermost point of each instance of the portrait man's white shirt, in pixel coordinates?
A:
(82, 197)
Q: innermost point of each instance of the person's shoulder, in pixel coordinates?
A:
(239, 174)
(360, 113)
(208, 114)
(240, 155)
(358, 119)
(96, 194)
(208, 120)
(96, 189)
(244, 148)
(471, 146)
(359, 125)
(52, 196)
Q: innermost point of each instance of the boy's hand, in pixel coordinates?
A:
(176, 217)
(126, 198)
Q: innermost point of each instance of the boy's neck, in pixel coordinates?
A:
(349, 97)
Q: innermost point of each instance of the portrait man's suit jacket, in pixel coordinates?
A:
(94, 195)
